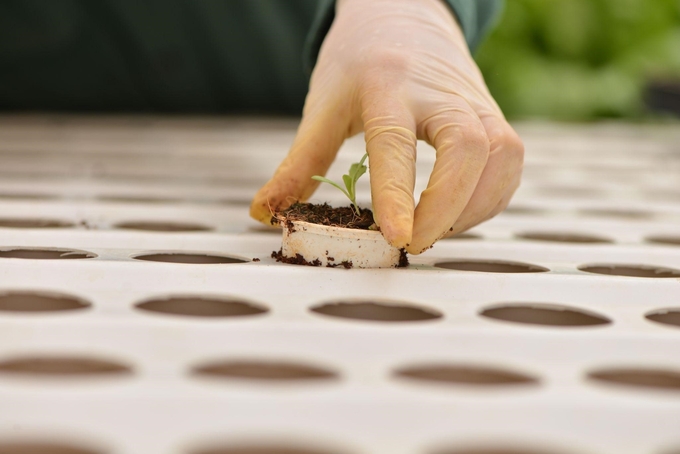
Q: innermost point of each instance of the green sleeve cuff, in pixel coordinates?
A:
(475, 17)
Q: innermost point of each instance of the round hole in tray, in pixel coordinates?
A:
(61, 366)
(621, 269)
(27, 301)
(44, 253)
(162, 226)
(615, 213)
(664, 239)
(377, 311)
(187, 257)
(543, 314)
(464, 236)
(464, 375)
(262, 370)
(198, 306)
(491, 266)
(26, 223)
(651, 378)
(670, 316)
(45, 447)
(563, 237)
(261, 449)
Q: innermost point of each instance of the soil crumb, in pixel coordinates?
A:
(347, 264)
(297, 260)
(327, 215)
(403, 259)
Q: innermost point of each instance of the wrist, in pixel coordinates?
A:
(436, 13)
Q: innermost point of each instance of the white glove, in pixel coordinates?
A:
(400, 70)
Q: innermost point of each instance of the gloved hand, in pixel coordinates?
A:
(400, 70)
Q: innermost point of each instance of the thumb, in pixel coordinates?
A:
(319, 136)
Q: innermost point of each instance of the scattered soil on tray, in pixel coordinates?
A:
(297, 260)
(347, 264)
(325, 214)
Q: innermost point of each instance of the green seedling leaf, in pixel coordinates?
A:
(356, 170)
(349, 184)
(333, 183)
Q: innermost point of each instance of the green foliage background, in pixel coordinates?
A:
(580, 59)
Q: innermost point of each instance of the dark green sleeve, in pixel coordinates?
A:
(474, 16)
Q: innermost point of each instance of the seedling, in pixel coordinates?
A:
(356, 170)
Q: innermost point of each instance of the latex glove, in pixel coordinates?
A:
(400, 70)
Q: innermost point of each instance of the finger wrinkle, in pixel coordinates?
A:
(397, 133)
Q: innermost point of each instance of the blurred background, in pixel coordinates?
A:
(581, 60)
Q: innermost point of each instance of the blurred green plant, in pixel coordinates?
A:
(580, 59)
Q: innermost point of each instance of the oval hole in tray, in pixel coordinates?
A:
(616, 213)
(376, 311)
(669, 316)
(669, 240)
(201, 306)
(44, 253)
(29, 223)
(464, 236)
(136, 199)
(544, 314)
(569, 191)
(236, 201)
(28, 301)
(563, 237)
(162, 226)
(264, 229)
(506, 448)
(524, 211)
(263, 370)
(43, 447)
(464, 374)
(27, 196)
(196, 258)
(258, 448)
(630, 270)
(649, 378)
(61, 366)
(491, 266)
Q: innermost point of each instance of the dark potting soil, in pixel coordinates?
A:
(325, 214)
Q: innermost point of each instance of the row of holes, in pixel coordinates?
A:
(485, 266)
(127, 199)
(197, 306)
(573, 238)
(273, 371)
(27, 447)
(614, 213)
(171, 226)
(514, 209)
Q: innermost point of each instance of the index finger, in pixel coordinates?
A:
(391, 147)
(462, 148)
